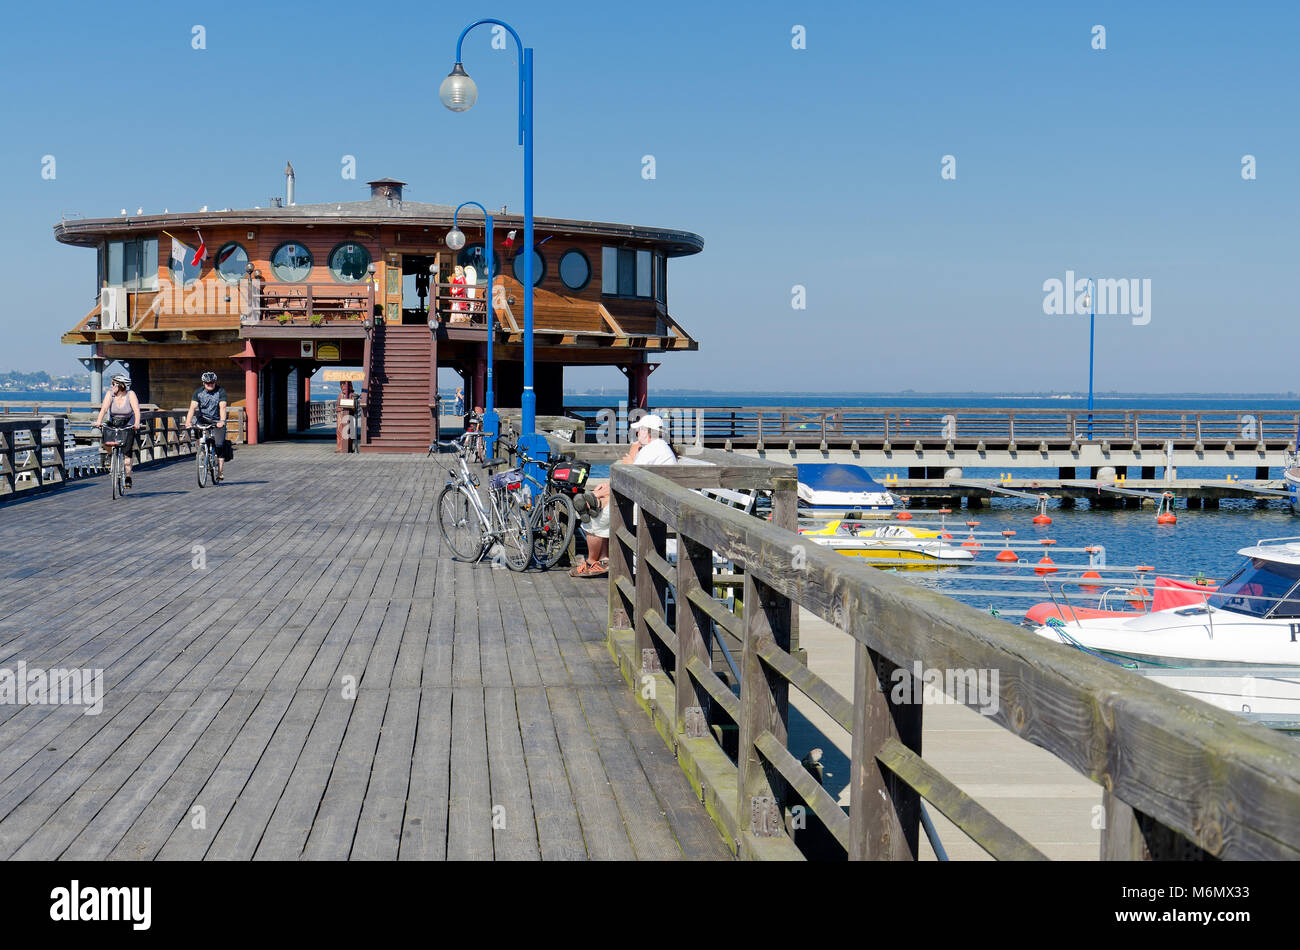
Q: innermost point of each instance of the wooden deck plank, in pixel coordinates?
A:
(379, 829)
(469, 812)
(514, 828)
(602, 822)
(424, 826)
(559, 832)
(335, 823)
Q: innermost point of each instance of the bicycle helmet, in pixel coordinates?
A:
(209, 377)
(124, 379)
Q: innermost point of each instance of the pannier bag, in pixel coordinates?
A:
(569, 474)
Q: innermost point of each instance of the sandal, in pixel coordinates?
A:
(599, 570)
(579, 569)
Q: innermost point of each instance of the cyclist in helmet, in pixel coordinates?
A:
(123, 412)
(209, 402)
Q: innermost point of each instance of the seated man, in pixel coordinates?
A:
(593, 506)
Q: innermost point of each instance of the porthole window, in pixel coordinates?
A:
(291, 262)
(539, 268)
(575, 269)
(473, 255)
(232, 262)
(348, 263)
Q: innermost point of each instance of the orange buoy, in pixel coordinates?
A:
(1143, 568)
(945, 511)
(1042, 519)
(1045, 566)
(1167, 517)
(971, 543)
(1008, 534)
(972, 524)
(1006, 554)
(1046, 541)
(904, 516)
(1089, 576)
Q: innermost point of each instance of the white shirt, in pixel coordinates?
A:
(655, 452)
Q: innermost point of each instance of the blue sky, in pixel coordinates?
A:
(818, 167)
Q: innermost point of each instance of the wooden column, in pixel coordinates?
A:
(620, 564)
(480, 383)
(651, 538)
(694, 639)
(764, 707)
(785, 514)
(885, 814)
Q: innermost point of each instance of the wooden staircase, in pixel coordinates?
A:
(399, 417)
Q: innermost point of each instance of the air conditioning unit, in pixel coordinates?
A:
(112, 308)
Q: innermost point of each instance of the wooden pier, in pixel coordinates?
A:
(487, 721)
(293, 668)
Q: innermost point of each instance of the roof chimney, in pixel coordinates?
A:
(288, 183)
(386, 189)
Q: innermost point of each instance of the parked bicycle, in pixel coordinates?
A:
(553, 518)
(112, 438)
(472, 526)
(205, 453)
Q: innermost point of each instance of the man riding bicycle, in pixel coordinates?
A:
(123, 411)
(209, 402)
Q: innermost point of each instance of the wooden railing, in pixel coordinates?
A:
(311, 304)
(453, 306)
(322, 413)
(31, 454)
(1180, 779)
(745, 426)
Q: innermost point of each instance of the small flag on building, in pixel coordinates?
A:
(203, 249)
(510, 239)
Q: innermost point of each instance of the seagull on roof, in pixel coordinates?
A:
(203, 209)
(124, 212)
(139, 211)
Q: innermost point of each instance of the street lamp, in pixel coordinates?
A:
(456, 240)
(458, 93)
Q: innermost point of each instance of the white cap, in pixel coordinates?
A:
(649, 422)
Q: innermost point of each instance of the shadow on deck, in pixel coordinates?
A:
(292, 668)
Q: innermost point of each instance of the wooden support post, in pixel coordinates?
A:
(885, 813)
(651, 538)
(1129, 835)
(764, 707)
(785, 514)
(694, 639)
(620, 565)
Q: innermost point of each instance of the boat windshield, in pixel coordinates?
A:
(1261, 588)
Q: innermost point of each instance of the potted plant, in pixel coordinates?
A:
(316, 319)
(284, 318)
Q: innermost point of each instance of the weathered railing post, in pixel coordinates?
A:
(1128, 835)
(620, 607)
(694, 640)
(651, 539)
(764, 707)
(885, 813)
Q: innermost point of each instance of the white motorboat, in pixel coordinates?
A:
(834, 487)
(1237, 647)
(1291, 478)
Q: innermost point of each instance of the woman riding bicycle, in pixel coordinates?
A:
(123, 411)
(209, 401)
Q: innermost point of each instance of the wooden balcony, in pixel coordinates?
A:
(311, 305)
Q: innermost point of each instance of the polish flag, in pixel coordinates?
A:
(510, 239)
(203, 249)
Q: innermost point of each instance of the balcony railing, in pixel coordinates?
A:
(310, 304)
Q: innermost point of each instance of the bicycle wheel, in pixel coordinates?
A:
(115, 474)
(553, 526)
(458, 521)
(202, 456)
(517, 539)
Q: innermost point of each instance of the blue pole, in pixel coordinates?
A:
(1092, 335)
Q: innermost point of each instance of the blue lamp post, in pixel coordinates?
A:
(1092, 335)
(458, 93)
(456, 241)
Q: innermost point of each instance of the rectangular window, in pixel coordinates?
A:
(626, 272)
(644, 274)
(133, 264)
(609, 270)
(661, 279)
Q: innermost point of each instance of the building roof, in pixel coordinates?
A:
(88, 231)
